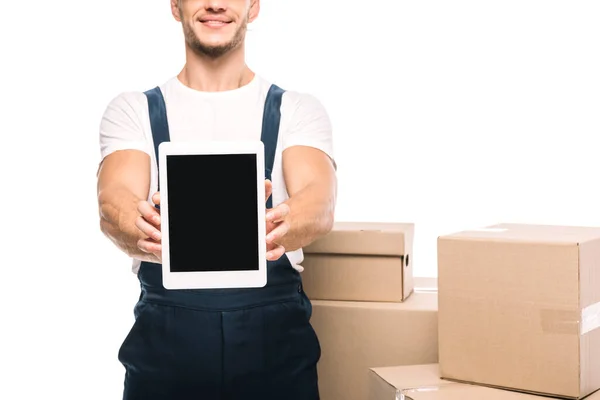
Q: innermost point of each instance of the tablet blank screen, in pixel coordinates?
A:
(213, 213)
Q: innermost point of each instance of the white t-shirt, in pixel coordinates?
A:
(227, 115)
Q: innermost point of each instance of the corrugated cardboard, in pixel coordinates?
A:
(360, 261)
(422, 382)
(356, 336)
(519, 308)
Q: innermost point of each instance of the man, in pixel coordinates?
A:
(219, 344)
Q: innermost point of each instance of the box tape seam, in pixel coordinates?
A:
(590, 318)
(571, 322)
(556, 321)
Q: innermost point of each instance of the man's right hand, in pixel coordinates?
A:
(277, 226)
(149, 223)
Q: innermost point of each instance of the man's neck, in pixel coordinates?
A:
(214, 75)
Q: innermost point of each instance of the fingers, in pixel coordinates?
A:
(149, 230)
(149, 213)
(278, 213)
(276, 253)
(268, 189)
(150, 246)
(277, 233)
(149, 221)
(277, 228)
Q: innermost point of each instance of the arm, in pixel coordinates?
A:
(124, 173)
(308, 172)
(124, 181)
(310, 179)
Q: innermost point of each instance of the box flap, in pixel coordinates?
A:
(411, 376)
(365, 238)
(465, 392)
(422, 382)
(530, 233)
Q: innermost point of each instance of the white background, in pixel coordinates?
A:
(448, 114)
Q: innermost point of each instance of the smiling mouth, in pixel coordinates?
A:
(215, 23)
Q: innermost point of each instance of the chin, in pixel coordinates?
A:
(209, 37)
(213, 44)
(213, 49)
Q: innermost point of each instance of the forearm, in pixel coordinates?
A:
(311, 216)
(118, 212)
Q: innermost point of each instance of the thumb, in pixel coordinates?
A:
(156, 198)
(268, 189)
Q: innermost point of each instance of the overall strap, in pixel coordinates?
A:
(270, 130)
(270, 125)
(158, 119)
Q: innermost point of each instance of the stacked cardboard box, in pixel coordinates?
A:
(360, 262)
(365, 310)
(519, 318)
(519, 308)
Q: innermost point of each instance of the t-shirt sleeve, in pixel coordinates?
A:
(308, 124)
(121, 126)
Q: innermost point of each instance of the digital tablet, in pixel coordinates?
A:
(212, 205)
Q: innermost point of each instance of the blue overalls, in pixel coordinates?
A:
(222, 344)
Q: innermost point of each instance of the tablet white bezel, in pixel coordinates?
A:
(213, 279)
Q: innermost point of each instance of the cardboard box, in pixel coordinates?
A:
(519, 308)
(360, 261)
(356, 336)
(422, 382)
